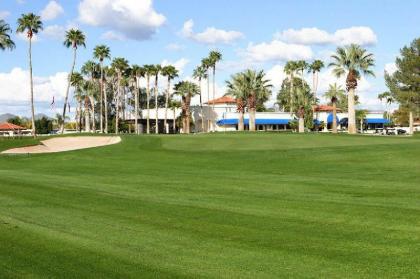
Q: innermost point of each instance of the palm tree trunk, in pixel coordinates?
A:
(174, 126)
(148, 104)
(252, 119)
(166, 106)
(291, 93)
(351, 112)
(214, 94)
(411, 123)
(208, 104)
(301, 124)
(68, 89)
(156, 106)
(87, 117)
(106, 109)
(117, 105)
(201, 108)
(241, 121)
(136, 110)
(32, 88)
(187, 117)
(92, 103)
(101, 100)
(334, 123)
(79, 119)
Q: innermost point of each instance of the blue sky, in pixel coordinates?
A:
(257, 34)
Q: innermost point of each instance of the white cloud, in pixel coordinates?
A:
(174, 47)
(179, 64)
(361, 35)
(24, 37)
(391, 68)
(277, 51)
(56, 32)
(211, 35)
(51, 11)
(4, 14)
(113, 36)
(135, 19)
(14, 86)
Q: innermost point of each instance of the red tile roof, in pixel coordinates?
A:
(325, 108)
(222, 100)
(10, 127)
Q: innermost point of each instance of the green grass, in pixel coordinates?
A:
(214, 206)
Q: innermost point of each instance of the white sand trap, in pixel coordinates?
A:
(64, 144)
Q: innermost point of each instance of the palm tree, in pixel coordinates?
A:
(315, 68)
(173, 104)
(155, 71)
(149, 72)
(77, 82)
(334, 93)
(186, 90)
(74, 38)
(361, 115)
(200, 73)
(214, 58)
(120, 65)
(352, 61)
(236, 88)
(5, 41)
(31, 24)
(206, 65)
(302, 65)
(256, 87)
(389, 99)
(170, 72)
(290, 69)
(137, 72)
(102, 52)
(90, 69)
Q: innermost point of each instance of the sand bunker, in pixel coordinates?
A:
(61, 144)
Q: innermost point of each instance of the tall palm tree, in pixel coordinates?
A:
(148, 72)
(334, 93)
(156, 70)
(206, 65)
(302, 65)
(31, 24)
(170, 72)
(137, 73)
(361, 115)
(315, 68)
(120, 65)
(186, 90)
(90, 69)
(200, 73)
(102, 52)
(77, 82)
(5, 41)
(290, 69)
(352, 61)
(215, 57)
(256, 87)
(74, 38)
(236, 87)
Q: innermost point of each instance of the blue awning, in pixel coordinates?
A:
(331, 117)
(234, 121)
(376, 121)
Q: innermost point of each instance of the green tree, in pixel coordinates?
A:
(120, 65)
(77, 82)
(314, 68)
(200, 73)
(236, 87)
(91, 70)
(290, 69)
(170, 72)
(149, 72)
(5, 41)
(137, 73)
(74, 38)
(361, 116)
(404, 84)
(186, 90)
(206, 65)
(352, 61)
(174, 105)
(214, 58)
(334, 94)
(156, 71)
(31, 24)
(102, 52)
